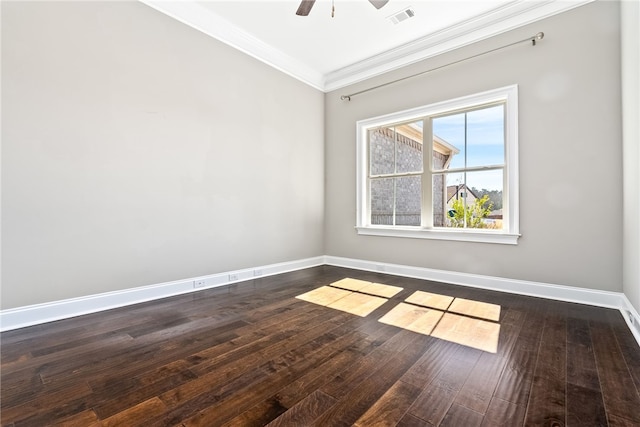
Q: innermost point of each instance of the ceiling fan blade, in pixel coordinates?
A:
(305, 7)
(378, 3)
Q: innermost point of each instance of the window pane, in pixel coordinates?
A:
(409, 147)
(382, 201)
(473, 200)
(408, 200)
(439, 200)
(486, 188)
(382, 151)
(448, 141)
(485, 136)
(449, 200)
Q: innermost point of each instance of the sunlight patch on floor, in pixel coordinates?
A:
(459, 320)
(324, 295)
(473, 325)
(351, 295)
(377, 289)
(417, 319)
(359, 304)
(472, 308)
(468, 331)
(350, 284)
(427, 299)
(386, 291)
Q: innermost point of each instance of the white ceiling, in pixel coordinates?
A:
(360, 41)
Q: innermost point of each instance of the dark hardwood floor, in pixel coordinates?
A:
(252, 354)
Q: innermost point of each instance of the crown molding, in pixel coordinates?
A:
(508, 17)
(493, 23)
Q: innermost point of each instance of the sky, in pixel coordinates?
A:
(482, 146)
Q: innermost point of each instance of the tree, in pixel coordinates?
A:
(474, 214)
(495, 196)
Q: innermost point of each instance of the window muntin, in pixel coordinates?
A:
(462, 181)
(474, 170)
(395, 174)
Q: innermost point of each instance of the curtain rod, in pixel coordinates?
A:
(532, 39)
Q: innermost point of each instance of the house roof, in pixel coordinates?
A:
(453, 189)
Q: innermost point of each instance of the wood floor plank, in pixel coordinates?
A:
(478, 389)
(411, 421)
(391, 406)
(615, 421)
(146, 350)
(306, 411)
(208, 360)
(358, 400)
(460, 416)
(280, 371)
(436, 399)
(422, 373)
(116, 396)
(136, 415)
(547, 401)
(317, 378)
(585, 407)
(517, 377)
(351, 377)
(458, 369)
(86, 418)
(432, 404)
(251, 354)
(620, 396)
(503, 413)
(235, 372)
(290, 395)
(581, 362)
(260, 415)
(628, 345)
(66, 402)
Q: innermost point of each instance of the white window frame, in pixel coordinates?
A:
(510, 210)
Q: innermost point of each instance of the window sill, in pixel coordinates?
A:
(440, 234)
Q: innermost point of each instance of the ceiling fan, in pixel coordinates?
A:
(306, 5)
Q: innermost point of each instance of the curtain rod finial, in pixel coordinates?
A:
(537, 37)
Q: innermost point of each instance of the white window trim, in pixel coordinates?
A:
(510, 210)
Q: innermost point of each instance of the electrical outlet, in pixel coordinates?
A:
(233, 277)
(199, 283)
(257, 273)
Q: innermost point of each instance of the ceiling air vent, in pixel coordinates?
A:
(397, 18)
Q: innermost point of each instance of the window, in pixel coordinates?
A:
(442, 171)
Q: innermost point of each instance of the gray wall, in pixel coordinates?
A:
(630, 13)
(136, 150)
(570, 153)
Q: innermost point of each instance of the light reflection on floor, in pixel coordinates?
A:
(417, 319)
(468, 331)
(463, 321)
(351, 295)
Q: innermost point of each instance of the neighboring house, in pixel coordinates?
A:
(456, 192)
(406, 156)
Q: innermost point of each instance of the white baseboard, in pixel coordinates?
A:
(42, 313)
(520, 287)
(48, 312)
(616, 300)
(632, 317)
